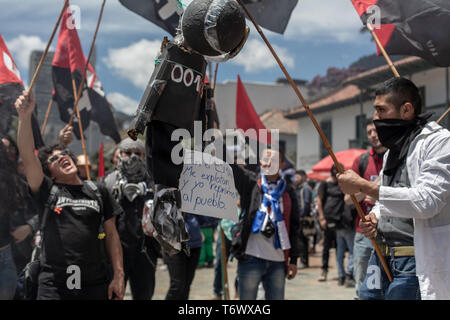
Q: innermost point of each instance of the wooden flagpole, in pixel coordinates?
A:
(319, 130)
(41, 62)
(80, 127)
(448, 99)
(215, 76)
(47, 113)
(383, 51)
(91, 49)
(77, 93)
(223, 254)
(226, 291)
(443, 116)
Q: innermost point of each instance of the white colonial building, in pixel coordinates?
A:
(264, 96)
(342, 113)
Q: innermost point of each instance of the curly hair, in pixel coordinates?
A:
(47, 151)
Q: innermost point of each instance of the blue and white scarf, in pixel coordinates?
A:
(272, 200)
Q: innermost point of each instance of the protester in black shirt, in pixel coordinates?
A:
(330, 205)
(73, 263)
(23, 216)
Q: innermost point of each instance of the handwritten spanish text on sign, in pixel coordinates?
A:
(207, 187)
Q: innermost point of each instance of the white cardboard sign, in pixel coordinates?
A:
(207, 186)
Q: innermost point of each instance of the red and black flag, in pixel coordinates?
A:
(411, 27)
(270, 14)
(68, 64)
(11, 87)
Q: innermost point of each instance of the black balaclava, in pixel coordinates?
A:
(397, 135)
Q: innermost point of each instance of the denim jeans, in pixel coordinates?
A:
(344, 241)
(361, 254)
(252, 271)
(8, 275)
(405, 285)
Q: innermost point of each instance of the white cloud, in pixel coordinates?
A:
(325, 20)
(256, 57)
(135, 62)
(123, 103)
(21, 48)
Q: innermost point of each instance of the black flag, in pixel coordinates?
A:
(164, 13)
(273, 15)
(270, 14)
(67, 66)
(411, 27)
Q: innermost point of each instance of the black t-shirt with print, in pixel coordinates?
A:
(71, 232)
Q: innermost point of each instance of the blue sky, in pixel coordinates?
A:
(320, 34)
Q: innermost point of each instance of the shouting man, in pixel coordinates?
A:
(75, 217)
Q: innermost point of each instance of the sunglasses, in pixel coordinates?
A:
(129, 153)
(55, 157)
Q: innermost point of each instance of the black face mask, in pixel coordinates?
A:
(397, 135)
(393, 132)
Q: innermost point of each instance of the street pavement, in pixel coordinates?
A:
(305, 286)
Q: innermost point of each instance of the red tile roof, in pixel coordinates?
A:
(340, 95)
(274, 119)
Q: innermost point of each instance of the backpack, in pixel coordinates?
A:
(363, 163)
(236, 248)
(349, 217)
(308, 223)
(333, 218)
(94, 192)
(30, 273)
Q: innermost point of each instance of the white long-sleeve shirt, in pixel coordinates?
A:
(426, 200)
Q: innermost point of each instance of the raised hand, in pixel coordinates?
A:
(66, 135)
(25, 104)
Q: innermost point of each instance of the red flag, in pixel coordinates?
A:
(410, 27)
(246, 116)
(69, 58)
(101, 162)
(8, 69)
(11, 87)
(69, 63)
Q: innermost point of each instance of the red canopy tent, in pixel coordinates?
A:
(320, 176)
(321, 169)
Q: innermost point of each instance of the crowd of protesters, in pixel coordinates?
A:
(53, 214)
